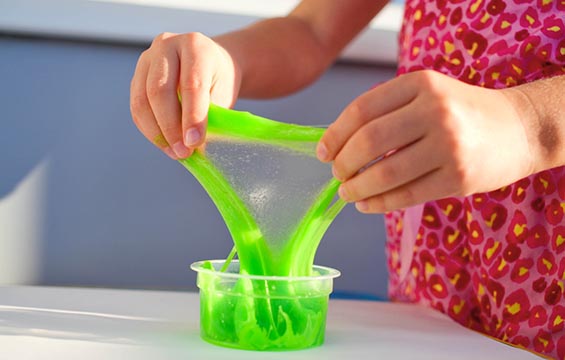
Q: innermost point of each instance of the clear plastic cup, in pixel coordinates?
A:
(252, 312)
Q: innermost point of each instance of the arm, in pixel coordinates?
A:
(279, 56)
(270, 58)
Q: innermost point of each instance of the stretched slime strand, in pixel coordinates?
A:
(259, 321)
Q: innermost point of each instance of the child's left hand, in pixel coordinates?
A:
(443, 138)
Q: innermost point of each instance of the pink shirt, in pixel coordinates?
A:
(494, 262)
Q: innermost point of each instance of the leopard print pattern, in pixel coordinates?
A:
(494, 262)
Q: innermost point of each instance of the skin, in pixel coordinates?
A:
(434, 136)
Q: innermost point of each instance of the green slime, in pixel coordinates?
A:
(246, 315)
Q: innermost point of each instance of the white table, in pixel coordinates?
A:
(77, 323)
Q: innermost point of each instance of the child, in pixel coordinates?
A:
(471, 135)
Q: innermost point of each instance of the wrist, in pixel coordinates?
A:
(540, 106)
(229, 69)
(527, 117)
(235, 55)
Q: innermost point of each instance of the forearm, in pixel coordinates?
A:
(278, 56)
(541, 106)
(275, 57)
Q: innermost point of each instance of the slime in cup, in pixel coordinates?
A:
(262, 312)
(277, 201)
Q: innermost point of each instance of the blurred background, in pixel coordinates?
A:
(85, 200)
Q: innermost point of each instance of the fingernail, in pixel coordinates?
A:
(170, 153)
(192, 137)
(342, 193)
(335, 174)
(181, 150)
(322, 152)
(362, 205)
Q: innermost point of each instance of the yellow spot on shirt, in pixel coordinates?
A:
(559, 240)
(519, 229)
(491, 251)
(475, 6)
(513, 309)
(547, 264)
(457, 307)
(448, 47)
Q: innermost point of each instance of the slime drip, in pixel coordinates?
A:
(247, 314)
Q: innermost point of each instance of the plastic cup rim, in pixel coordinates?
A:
(331, 273)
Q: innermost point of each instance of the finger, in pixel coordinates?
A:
(162, 80)
(426, 188)
(405, 166)
(194, 86)
(373, 104)
(376, 138)
(141, 112)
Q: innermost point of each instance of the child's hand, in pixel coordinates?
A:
(447, 138)
(192, 65)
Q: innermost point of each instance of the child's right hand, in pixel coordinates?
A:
(198, 69)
